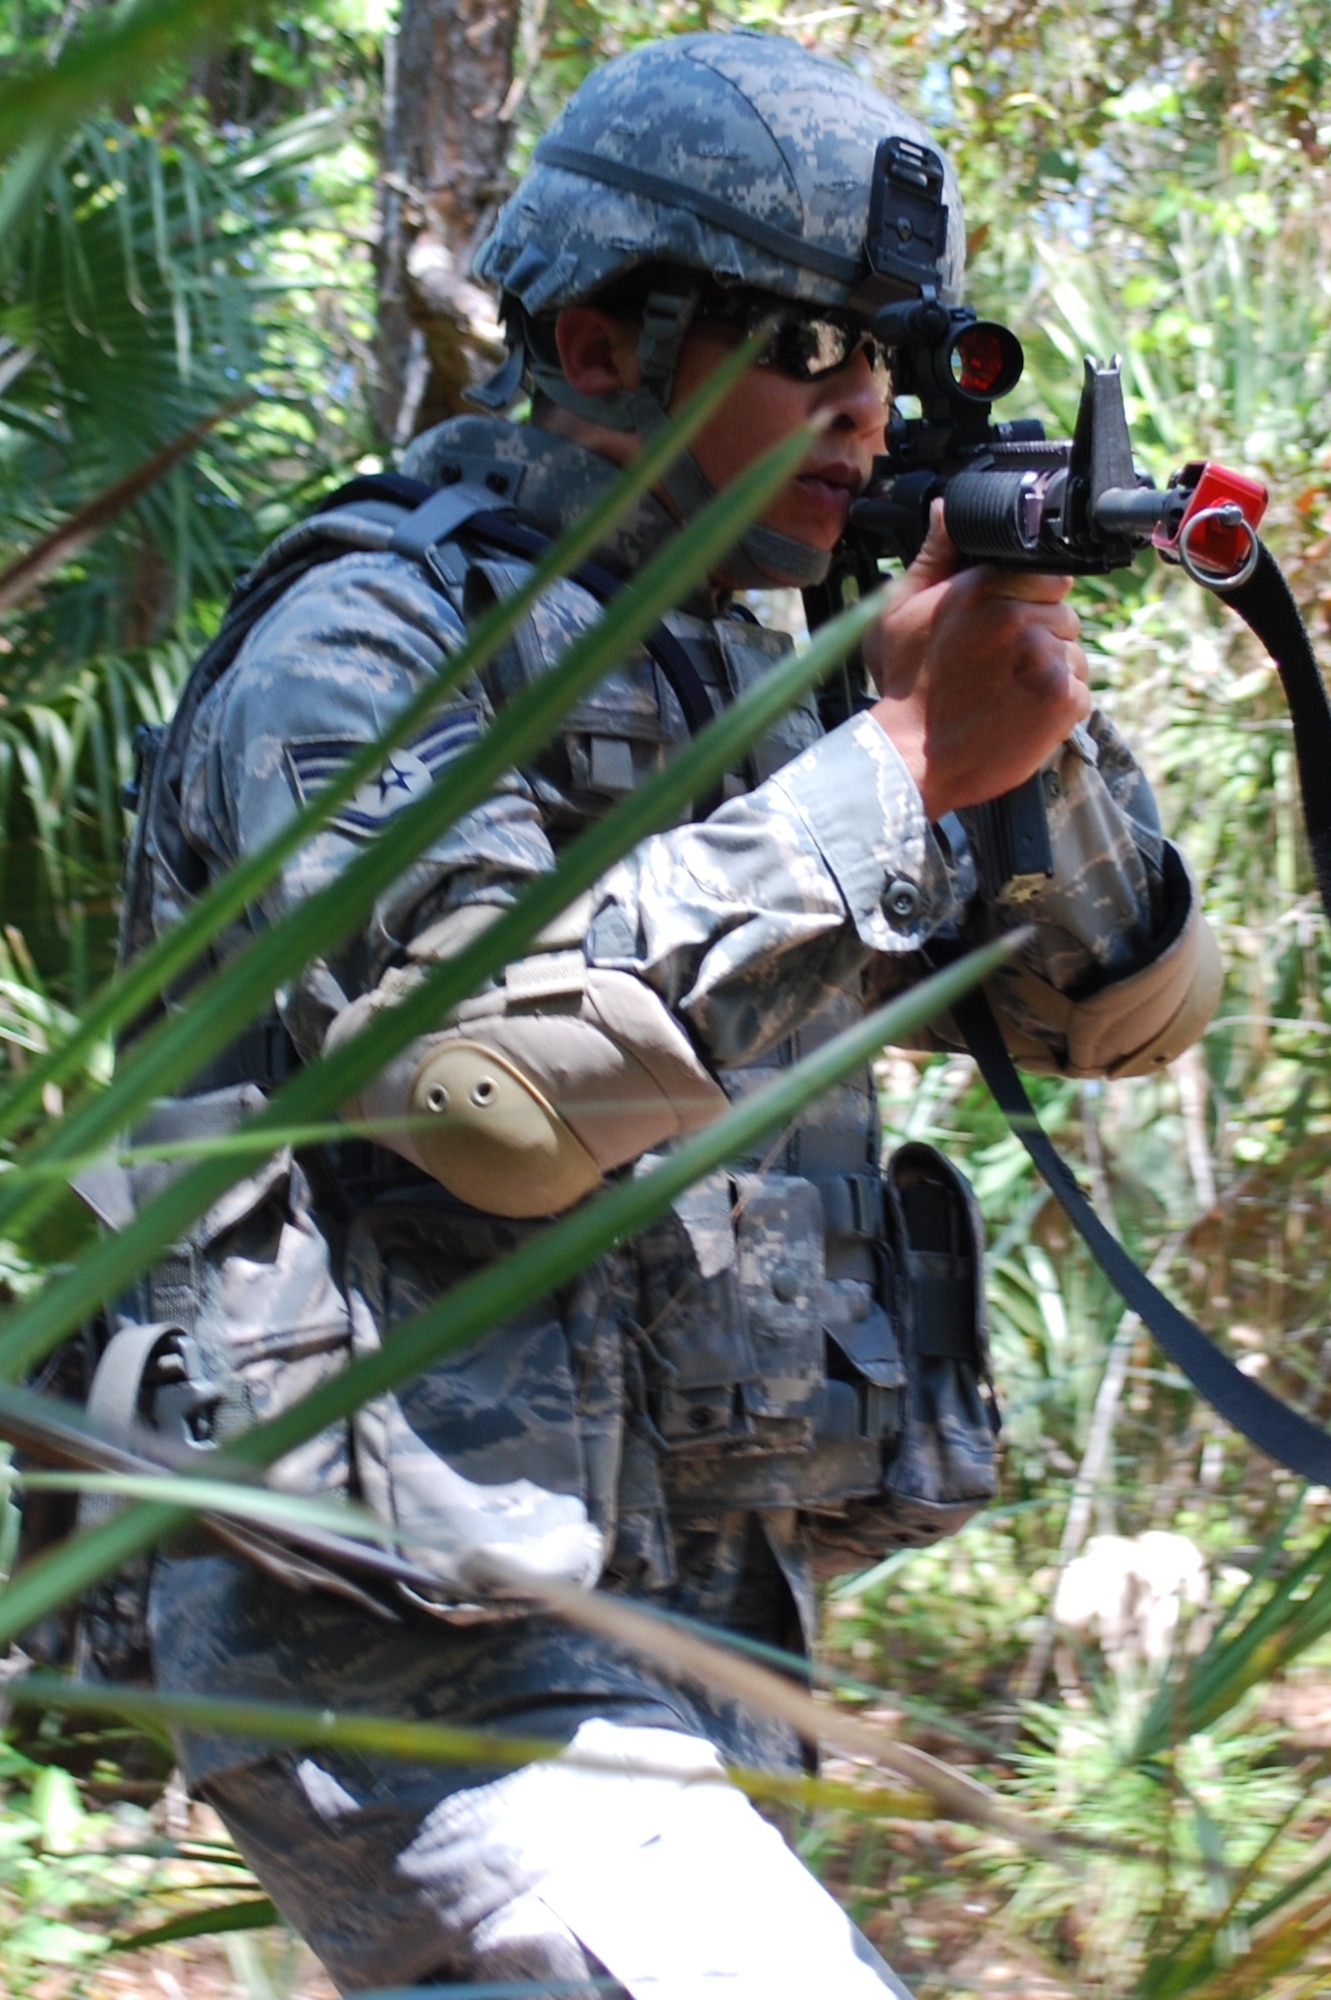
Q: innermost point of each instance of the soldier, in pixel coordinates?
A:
(677, 1424)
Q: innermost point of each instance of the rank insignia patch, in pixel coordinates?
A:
(315, 761)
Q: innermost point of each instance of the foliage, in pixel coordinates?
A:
(76, 1878)
(168, 396)
(1152, 181)
(64, 1871)
(1229, 1885)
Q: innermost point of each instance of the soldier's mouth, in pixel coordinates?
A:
(831, 489)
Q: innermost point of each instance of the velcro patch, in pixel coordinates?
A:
(315, 761)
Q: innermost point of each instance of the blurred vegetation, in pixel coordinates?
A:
(186, 308)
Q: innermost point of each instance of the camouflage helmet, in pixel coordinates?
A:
(736, 160)
(740, 155)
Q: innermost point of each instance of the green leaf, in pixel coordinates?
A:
(252, 1913)
(243, 986)
(486, 1300)
(218, 1495)
(58, 1810)
(107, 60)
(414, 1742)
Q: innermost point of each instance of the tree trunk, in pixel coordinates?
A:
(449, 91)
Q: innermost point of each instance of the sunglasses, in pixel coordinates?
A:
(805, 346)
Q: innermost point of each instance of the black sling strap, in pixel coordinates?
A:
(1267, 606)
(1264, 1419)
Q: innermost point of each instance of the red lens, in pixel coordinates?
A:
(978, 361)
(985, 361)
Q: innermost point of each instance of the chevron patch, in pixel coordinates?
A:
(315, 760)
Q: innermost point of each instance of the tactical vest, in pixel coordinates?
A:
(803, 1332)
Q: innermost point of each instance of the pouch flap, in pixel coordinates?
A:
(215, 1114)
(704, 1212)
(105, 1187)
(941, 1241)
(870, 1347)
(779, 1233)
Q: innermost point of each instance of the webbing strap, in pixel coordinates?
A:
(665, 649)
(1267, 606)
(1262, 1418)
(113, 1398)
(439, 518)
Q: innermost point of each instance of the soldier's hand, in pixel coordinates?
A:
(979, 672)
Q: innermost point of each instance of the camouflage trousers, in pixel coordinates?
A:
(625, 1866)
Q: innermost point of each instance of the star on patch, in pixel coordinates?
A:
(409, 771)
(393, 778)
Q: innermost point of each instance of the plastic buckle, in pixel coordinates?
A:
(184, 1401)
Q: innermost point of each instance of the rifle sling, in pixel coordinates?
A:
(1266, 605)
(1272, 1425)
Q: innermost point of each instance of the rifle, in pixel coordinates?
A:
(1077, 507)
(1013, 496)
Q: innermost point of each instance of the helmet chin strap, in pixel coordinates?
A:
(762, 557)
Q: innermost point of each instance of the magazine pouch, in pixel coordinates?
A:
(941, 1468)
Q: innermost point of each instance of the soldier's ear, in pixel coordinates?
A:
(597, 352)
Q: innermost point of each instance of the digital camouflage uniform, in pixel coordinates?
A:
(652, 1426)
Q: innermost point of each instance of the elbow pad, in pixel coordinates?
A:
(1129, 1028)
(534, 1091)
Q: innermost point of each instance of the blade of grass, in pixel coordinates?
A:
(421, 1742)
(318, 1090)
(156, 970)
(718, 1667)
(253, 1914)
(546, 1261)
(271, 1508)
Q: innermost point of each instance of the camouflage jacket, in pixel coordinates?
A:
(595, 1431)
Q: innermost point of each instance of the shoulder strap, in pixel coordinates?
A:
(440, 513)
(681, 676)
(1267, 606)
(1272, 1425)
